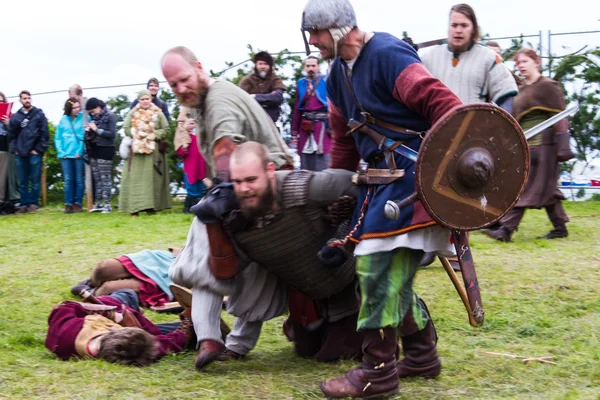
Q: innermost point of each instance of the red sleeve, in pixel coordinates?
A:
(64, 324)
(421, 92)
(344, 154)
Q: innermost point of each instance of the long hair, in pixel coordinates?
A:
(129, 346)
(69, 105)
(468, 12)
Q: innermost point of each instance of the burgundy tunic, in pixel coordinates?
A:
(67, 319)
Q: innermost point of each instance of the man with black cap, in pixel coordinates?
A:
(378, 80)
(264, 85)
(154, 87)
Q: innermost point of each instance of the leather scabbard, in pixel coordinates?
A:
(223, 261)
(377, 177)
(467, 269)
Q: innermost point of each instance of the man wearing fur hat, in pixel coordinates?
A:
(379, 81)
(264, 85)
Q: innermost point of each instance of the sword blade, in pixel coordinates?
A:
(430, 43)
(403, 150)
(572, 109)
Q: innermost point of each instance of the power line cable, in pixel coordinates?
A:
(144, 83)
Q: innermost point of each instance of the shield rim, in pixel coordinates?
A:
(439, 124)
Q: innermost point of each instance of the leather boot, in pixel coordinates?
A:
(209, 351)
(376, 376)
(187, 327)
(419, 348)
(556, 233)
(502, 234)
(230, 355)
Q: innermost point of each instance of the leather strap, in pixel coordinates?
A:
(369, 117)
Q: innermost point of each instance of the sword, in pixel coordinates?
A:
(572, 109)
(382, 141)
(413, 155)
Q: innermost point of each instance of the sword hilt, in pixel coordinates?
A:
(393, 207)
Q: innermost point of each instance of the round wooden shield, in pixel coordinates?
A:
(472, 167)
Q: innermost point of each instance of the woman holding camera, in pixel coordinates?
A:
(100, 135)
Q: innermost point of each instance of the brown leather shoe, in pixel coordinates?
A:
(209, 351)
(557, 233)
(376, 376)
(68, 209)
(77, 208)
(187, 327)
(229, 355)
(501, 234)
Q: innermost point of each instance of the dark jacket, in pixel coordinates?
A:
(267, 92)
(158, 103)
(107, 130)
(27, 135)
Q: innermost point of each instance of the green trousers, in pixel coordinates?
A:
(386, 285)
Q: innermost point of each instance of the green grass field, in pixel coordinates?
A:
(541, 298)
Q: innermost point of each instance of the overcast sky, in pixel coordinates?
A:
(51, 44)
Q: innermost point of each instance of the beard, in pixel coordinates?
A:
(194, 98)
(263, 205)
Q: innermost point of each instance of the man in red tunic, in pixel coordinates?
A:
(113, 331)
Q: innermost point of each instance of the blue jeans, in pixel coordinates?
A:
(73, 170)
(29, 171)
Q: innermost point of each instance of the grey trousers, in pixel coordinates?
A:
(255, 295)
(314, 161)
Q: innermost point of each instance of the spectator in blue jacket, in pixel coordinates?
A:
(69, 148)
(154, 88)
(29, 141)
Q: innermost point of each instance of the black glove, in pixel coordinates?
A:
(409, 40)
(332, 257)
(216, 204)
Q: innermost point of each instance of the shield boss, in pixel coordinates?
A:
(472, 167)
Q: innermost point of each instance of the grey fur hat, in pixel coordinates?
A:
(327, 14)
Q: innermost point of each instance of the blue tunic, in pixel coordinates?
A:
(384, 73)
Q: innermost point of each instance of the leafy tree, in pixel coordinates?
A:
(54, 177)
(582, 72)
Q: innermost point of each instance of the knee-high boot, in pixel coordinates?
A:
(419, 348)
(376, 376)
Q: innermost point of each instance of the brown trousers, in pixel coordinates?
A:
(110, 275)
(556, 214)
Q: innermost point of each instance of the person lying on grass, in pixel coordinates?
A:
(114, 331)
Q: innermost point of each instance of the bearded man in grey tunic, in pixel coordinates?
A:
(280, 227)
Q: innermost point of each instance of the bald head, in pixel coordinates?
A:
(182, 51)
(249, 151)
(185, 76)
